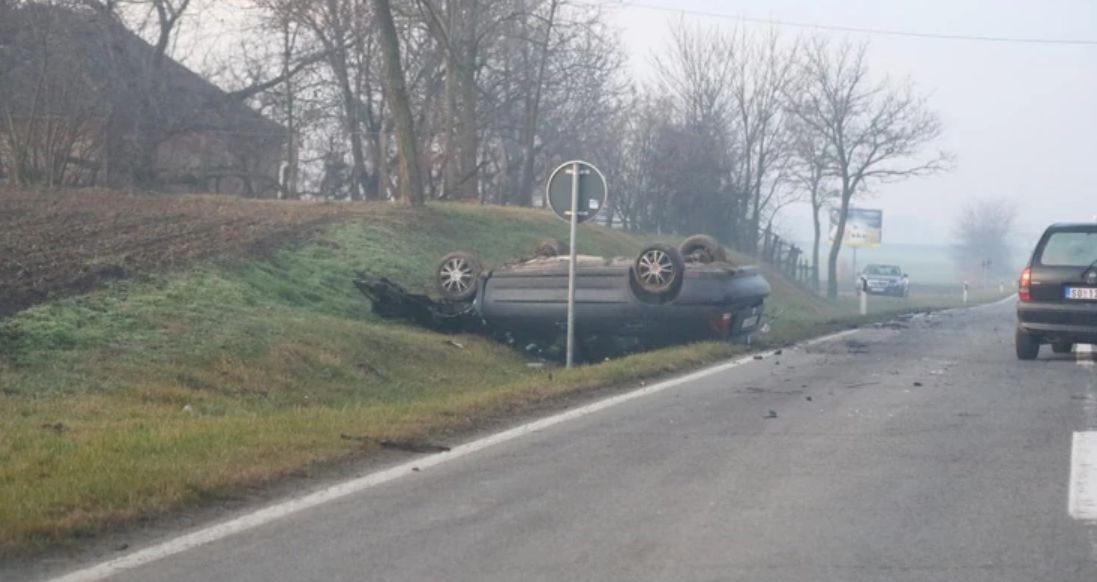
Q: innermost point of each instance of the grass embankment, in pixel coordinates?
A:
(147, 396)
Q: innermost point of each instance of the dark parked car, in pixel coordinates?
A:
(1058, 292)
(884, 280)
(664, 295)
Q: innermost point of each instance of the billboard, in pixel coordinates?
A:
(864, 227)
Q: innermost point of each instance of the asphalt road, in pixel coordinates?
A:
(922, 453)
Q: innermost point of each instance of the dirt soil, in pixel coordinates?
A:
(54, 244)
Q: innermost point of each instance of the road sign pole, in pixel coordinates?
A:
(571, 263)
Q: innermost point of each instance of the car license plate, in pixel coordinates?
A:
(1081, 293)
(750, 322)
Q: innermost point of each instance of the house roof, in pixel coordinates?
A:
(96, 62)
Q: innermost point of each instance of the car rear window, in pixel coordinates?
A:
(1070, 249)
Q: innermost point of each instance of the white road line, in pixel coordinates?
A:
(1007, 299)
(1082, 500)
(279, 510)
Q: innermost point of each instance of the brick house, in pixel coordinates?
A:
(79, 106)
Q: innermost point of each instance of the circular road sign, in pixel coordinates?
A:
(592, 195)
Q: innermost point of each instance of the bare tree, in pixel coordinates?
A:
(698, 75)
(875, 130)
(765, 70)
(48, 121)
(809, 174)
(983, 234)
(463, 28)
(411, 182)
(337, 25)
(532, 100)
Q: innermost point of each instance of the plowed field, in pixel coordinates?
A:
(55, 244)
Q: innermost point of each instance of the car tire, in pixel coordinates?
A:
(657, 273)
(704, 249)
(458, 276)
(550, 247)
(1028, 346)
(1062, 347)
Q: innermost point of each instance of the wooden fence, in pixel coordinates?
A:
(786, 257)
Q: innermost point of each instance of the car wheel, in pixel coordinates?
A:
(459, 276)
(1062, 347)
(658, 272)
(551, 247)
(703, 249)
(1028, 347)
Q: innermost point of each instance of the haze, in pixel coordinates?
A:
(1020, 117)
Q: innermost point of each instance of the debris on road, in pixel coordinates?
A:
(759, 357)
(856, 346)
(413, 447)
(918, 384)
(757, 390)
(808, 398)
(772, 414)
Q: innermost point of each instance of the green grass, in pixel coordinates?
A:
(147, 396)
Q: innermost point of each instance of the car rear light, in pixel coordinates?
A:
(1023, 290)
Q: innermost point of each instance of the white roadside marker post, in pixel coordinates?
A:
(965, 292)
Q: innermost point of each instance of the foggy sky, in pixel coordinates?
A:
(1021, 118)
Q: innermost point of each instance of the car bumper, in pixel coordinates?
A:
(886, 290)
(1076, 323)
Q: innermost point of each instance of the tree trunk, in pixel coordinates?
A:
(382, 157)
(533, 113)
(469, 185)
(451, 172)
(289, 179)
(836, 247)
(352, 121)
(411, 182)
(815, 245)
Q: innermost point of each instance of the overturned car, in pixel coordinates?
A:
(664, 295)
